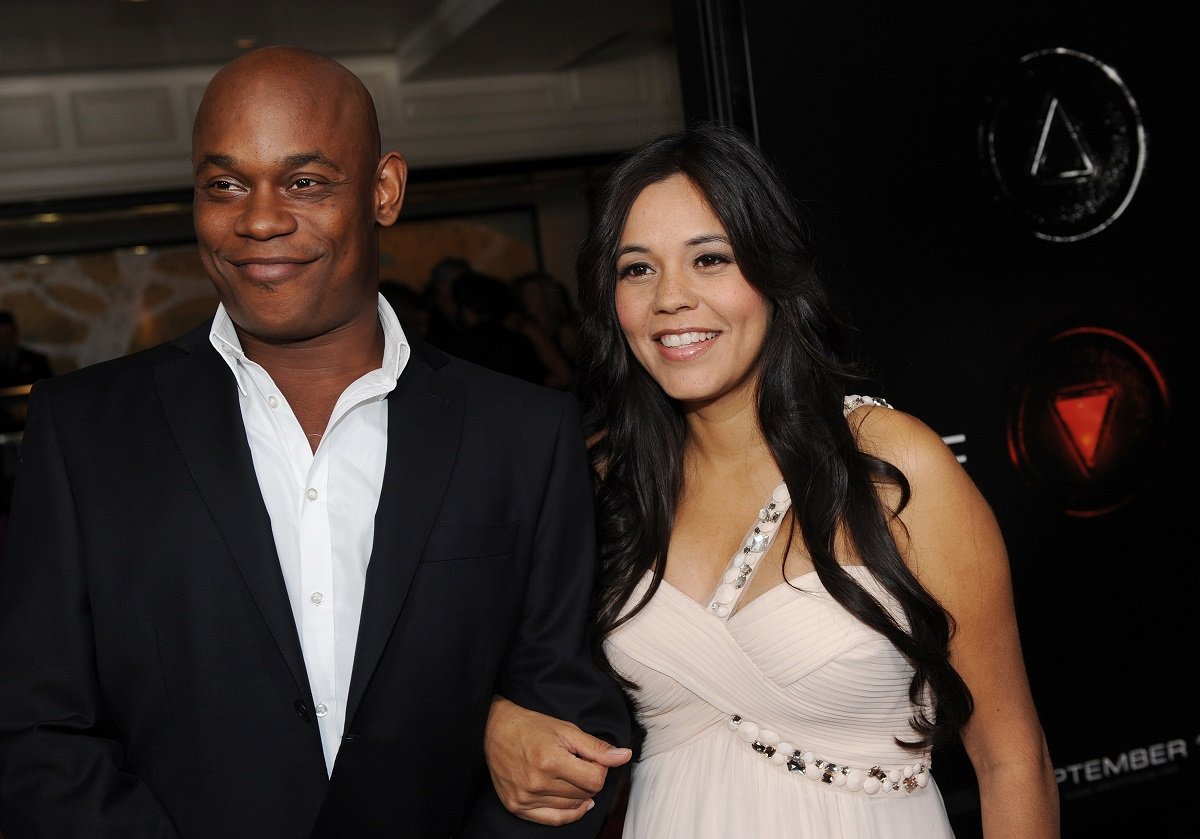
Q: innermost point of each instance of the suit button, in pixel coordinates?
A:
(302, 710)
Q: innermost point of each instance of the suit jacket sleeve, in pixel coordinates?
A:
(550, 667)
(60, 761)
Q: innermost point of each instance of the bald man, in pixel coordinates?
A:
(266, 580)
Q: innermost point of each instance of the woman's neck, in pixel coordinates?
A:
(729, 445)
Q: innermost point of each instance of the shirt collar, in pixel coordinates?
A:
(396, 351)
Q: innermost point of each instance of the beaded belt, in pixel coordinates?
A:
(871, 781)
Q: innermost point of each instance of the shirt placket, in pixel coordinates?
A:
(316, 573)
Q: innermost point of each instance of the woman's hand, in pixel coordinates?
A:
(545, 770)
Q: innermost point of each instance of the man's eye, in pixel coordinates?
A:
(221, 185)
(304, 183)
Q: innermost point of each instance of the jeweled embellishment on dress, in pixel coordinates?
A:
(871, 781)
(754, 546)
(854, 401)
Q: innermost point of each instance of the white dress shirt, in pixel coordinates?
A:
(322, 506)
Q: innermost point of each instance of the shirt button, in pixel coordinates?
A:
(311, 495)
(321, 709)
(272, 401)
(317, 598)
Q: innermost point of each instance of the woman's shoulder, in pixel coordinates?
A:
(896, 436)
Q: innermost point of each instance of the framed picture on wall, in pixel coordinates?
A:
(91, 303)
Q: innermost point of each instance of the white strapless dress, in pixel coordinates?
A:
(777, 719)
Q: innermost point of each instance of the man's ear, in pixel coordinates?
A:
(390, 177)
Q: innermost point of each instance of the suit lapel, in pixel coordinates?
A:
(200, 399)
(425, 419)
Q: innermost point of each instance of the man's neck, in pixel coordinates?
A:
(312, 374)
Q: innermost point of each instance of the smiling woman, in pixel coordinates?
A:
(802, 591)
(688, 314)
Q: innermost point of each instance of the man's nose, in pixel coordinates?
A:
(265, 215)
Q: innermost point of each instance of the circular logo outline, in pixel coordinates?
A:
(991, 154)
(1073, 365)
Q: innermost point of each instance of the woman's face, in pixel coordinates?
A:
(687, 312)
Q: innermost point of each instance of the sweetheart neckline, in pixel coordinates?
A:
(790, 583)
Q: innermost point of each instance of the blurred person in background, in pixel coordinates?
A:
(19, 365)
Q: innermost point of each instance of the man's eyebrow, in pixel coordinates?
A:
(293, 161)
(218, 161)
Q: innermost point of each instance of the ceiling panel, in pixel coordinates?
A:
(434, 39)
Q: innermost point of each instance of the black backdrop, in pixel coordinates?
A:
(1003, 271)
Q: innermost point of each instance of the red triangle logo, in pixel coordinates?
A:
(1083, 414)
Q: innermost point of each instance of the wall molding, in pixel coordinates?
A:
(81, 135)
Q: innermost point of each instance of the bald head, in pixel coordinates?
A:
(290, 191)
(310, 79)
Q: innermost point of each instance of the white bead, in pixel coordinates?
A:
(780, 757)
(780, 494)
(809, 757)
(839, 780)
(733, 724)
(923, 780)
(855, 779)
(908, 771)
(748, 731)
(768, 737)
(722, 611)
(725, 593)
(894, 775)
(871, 786)
(812, 772)
(731, 575)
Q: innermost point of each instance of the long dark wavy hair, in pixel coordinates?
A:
(637, 433)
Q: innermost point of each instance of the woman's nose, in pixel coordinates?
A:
(673, 291)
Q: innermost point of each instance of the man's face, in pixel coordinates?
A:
(285, 206)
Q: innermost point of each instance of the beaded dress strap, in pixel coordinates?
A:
(850, 403)
(758, 541)
(754, 547)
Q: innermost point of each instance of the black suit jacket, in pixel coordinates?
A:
(153, 681)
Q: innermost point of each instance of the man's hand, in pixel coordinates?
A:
(545, 770)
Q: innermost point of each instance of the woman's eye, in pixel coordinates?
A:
(710, 260)
(636, 269)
